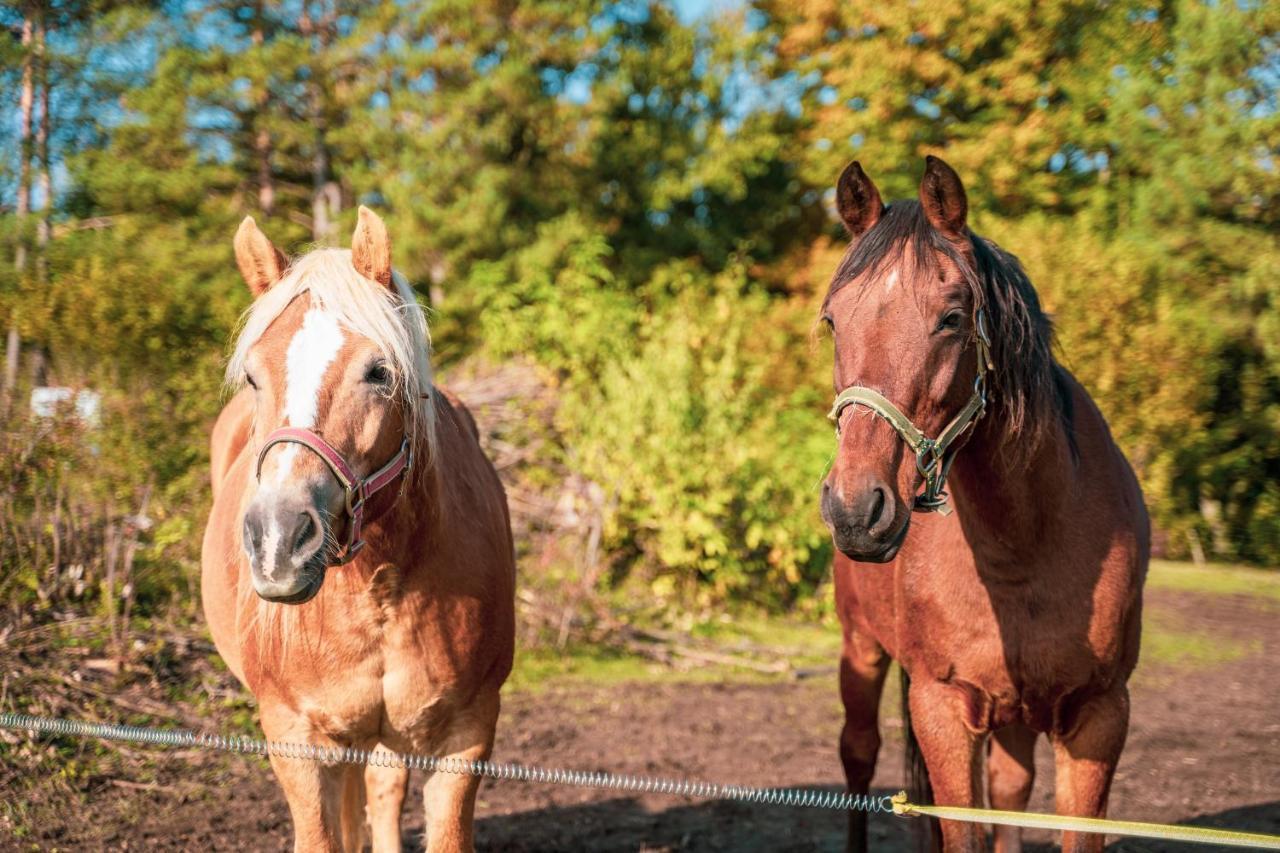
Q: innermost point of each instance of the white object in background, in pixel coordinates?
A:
(46, 400)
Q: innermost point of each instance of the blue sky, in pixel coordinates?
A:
(692, 10)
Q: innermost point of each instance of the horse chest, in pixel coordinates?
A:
(371, 666)
(1014, 652)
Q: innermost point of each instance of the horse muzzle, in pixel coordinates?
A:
(870, 527)
(285, 544)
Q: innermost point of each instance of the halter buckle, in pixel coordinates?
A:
(355, 498)
(350, 553)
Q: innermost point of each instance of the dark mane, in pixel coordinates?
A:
(1028, 389)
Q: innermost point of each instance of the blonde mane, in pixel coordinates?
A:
(392, 320)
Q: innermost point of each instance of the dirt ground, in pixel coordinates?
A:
(1204, 748)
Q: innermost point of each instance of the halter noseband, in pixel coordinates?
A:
(357, 492)
(932, 459)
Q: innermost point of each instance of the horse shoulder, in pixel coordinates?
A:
(481, 550)
(1109, 490)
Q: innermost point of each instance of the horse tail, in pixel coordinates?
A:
(919, 789)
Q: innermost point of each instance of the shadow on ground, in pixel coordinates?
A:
(625, 824)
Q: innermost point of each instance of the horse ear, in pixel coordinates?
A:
(942, 197)
(371, 248)
(857, 200)
(260, 262)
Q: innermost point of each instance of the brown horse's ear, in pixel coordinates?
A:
(942, 197)
(857, 200)
(371, 248)
(260, 262)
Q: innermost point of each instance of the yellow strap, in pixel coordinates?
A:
(1032, 820)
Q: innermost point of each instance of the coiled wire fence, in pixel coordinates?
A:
(805, 798)
(796, 797)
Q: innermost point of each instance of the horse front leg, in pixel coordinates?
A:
(385, 789)
(450, 798)
(953, 755)
(1085, 762)
(863, 665)
(313, 789)
(1011, 771)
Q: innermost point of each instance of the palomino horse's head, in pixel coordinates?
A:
(335, 351)
(911, 357)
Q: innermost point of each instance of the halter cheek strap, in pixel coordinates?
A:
(358, 493)
(933, 460)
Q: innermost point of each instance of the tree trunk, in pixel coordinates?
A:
(39, 357)
(26, 100)
(326, 195)
(262, 138)
(326, 199)
(44, 182)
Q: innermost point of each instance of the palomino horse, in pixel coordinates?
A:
(1019, 614)
(358, 565)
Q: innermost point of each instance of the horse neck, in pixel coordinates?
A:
(1010, 505)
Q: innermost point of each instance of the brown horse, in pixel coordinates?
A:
(1019, 614)
(358, 565)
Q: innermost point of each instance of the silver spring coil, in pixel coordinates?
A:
(505, 771)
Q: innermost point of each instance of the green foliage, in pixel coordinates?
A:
(637, 206)
(708, 486)
(666, 403)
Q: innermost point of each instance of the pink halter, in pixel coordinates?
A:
(357, 491)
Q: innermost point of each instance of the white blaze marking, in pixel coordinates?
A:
(312, 350)
(269, 544)
(890, 280)
(287, 455)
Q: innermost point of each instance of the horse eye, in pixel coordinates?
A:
(377, 374)
(249, 381)
(949, 322)
(831, 324)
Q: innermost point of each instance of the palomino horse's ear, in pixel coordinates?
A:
(260, 262)
(371, 248)
(857, 200)
(942, 197)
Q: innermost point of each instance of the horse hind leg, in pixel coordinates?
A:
(1011, 771)
(385, 790)
(863, 665)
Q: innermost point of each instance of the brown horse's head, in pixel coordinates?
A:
(903, 309)
(334, 344)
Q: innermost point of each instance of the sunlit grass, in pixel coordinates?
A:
(814, 644)
(802, 645)
(1163, 642)
(1213, 579)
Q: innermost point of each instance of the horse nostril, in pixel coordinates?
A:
(306, 530)
(252, 532)
(877, 507)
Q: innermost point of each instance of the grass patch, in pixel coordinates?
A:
(803, 645)
(1164, 643)
(538, 668)
(1214, 579)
